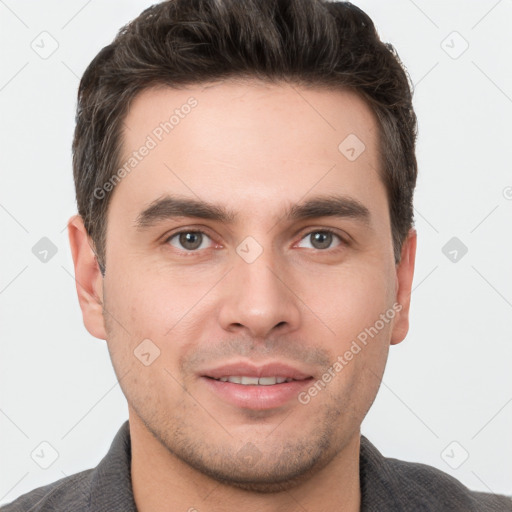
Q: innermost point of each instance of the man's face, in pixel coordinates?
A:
(259, 289)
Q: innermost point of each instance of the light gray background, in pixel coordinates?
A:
(450, 380)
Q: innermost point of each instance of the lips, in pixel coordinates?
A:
(254, 381)
(249, 371)
(247, 386)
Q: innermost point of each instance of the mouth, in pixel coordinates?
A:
(247, 386)
(246, 380)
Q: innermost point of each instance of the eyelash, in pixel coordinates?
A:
(343, 241)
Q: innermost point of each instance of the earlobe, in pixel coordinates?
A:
(404, 278)
(88, 278)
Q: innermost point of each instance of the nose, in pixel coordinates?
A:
(259, 298)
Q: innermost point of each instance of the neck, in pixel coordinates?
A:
(163, 482)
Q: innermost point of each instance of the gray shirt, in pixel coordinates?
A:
(387, 485)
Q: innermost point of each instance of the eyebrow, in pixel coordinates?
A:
(169, 207)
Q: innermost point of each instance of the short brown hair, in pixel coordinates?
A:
(181, 42)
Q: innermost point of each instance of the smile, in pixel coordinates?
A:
(255, 381)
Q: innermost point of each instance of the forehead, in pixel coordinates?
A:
(248, 143)
(245, 106)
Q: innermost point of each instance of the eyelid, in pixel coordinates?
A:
(324, 229)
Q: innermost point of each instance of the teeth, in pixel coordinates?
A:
(249, 381)
(267, 381)
(255, 381)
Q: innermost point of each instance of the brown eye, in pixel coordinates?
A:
(188, 240)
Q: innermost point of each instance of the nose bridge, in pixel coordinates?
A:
(260, 299)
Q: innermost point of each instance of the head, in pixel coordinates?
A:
(244, 176)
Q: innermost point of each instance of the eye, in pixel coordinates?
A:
(193, 240)
(322, 238)
(188, 240)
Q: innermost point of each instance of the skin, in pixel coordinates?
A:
(255, 148)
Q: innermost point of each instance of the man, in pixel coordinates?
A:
(244, 175)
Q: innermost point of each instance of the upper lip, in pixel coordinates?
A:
(273, 369)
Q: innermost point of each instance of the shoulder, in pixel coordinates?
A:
(419, 487)
(105, 488)
(68, 493)
(426, 485)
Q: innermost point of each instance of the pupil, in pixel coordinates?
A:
(188, 238)
(319, 235)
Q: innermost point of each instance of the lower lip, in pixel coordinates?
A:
(257, 397)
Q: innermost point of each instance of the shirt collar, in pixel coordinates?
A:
(111, 485)
(379, 486)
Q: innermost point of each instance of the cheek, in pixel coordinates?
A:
(161, 307)
(146, 297)
(351, 298)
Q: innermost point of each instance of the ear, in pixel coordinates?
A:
(88, 278)
(404, 276)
